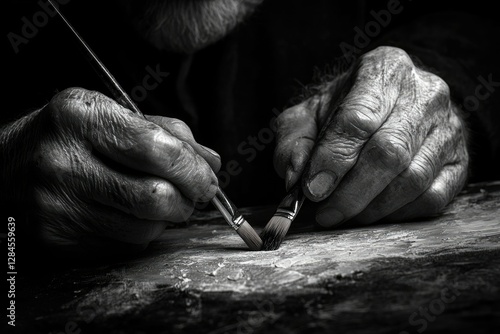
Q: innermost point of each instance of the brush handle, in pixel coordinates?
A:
(108, 79)
(228, 209)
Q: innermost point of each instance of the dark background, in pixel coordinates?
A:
(277, 49)
(258, 68)
(37, 67)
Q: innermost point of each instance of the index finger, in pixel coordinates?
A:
(180, 130)
(372, 96)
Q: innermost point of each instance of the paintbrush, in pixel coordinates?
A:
(236, 220)
(276, 229)
(220, 201)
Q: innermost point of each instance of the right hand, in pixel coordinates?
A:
(109, 180)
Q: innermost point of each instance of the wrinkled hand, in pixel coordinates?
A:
(391, 143)
(107, 178)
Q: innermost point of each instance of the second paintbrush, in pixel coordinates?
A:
(276, 229)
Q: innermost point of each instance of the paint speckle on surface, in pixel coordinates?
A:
(203, 278)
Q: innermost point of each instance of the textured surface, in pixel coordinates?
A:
(440, 275)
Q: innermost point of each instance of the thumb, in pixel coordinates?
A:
(296, 132)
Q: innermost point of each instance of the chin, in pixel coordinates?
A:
(186, 26)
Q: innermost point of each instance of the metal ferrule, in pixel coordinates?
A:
(236, 222)
(291, 204)
(228, 210)
(284, 213)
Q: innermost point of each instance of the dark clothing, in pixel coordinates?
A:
(227, 92)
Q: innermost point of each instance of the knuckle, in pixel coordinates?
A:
(177, 123)
(159, 199)
(457, 125)
(182, 151)
(400, 56)
(171, 148)
(206, 183)
(438, 93)
(395, 57)
(463, 155)
(185, 167)
(286, 114)
(438, 84)
(335, 150)
(290, 116)
(394, 53)
(359, 118)
(179, 128)
(436, 199)
(419, 177)
(72, 106)
(294, 124)
(153, 198)
(69, 94)
(391, 150)
(67, 102)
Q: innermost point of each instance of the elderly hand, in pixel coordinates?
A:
(108, 180)
(391, 145)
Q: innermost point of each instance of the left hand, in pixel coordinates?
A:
(392, 144)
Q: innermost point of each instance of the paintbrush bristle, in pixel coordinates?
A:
(274, 232)
(249, 236)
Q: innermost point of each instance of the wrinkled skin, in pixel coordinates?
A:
(382, 142)
(109, 180)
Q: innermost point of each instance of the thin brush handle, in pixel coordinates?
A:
(221, 201)
(109, 80)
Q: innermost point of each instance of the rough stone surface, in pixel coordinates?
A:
(439, 275)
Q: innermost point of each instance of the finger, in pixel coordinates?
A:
(144, 196)
(75, 172)
(180, 130)
(445, 187)
(387, 153)
(63, 221)
(375, 89)
(444, 144)
(296, 132)
(139, 144)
